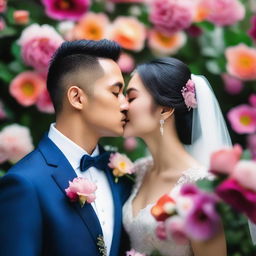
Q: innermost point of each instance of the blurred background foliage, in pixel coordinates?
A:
(203, 49)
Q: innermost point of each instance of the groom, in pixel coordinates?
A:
(36, 216)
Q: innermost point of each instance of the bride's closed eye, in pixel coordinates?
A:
(131, 99)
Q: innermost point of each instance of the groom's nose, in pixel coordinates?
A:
(124, 105)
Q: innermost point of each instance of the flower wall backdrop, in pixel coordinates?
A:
(215, 38)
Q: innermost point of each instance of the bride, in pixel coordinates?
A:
(180, 132)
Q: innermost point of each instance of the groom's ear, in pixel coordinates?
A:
(76, 97)
(166, 112)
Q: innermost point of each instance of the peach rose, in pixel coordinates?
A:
(38, 43)
(162, 44)
(223, 161)
(241, 62)
(15, 143)
(21, 17)
(129, 32)
(92, 26)
(27, 87)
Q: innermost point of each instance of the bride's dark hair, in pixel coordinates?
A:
(164, 79)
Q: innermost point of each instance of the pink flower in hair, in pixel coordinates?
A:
(188, 93)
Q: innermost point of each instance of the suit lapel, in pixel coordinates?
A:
(117, 214)
(62, 174)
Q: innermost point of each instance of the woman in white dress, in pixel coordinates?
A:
(180, 140)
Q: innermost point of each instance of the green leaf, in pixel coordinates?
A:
(5, 73)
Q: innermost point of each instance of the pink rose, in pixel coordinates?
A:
(126, 62)
(224, 161)
(82, 190)
(245, 174)
(38, 43)
(190, 100)
(171, 16)
(15, 143)
(224, 12)
(242, 199)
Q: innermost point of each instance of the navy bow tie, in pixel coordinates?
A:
(100, 162)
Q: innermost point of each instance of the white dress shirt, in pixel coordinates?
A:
(103, 204)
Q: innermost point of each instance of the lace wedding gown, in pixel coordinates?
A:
(141, 228)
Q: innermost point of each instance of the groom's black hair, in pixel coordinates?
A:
(72, 57)
(164, 79)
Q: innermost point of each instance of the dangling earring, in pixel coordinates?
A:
(162, 127)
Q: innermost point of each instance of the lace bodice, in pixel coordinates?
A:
(141, 228)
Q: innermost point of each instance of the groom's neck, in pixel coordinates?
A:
(77, 131)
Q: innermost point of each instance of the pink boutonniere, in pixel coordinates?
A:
(121, 165)
(82, 190)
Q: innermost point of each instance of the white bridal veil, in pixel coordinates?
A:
(209, 130)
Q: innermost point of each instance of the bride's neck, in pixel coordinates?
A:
(168, 152)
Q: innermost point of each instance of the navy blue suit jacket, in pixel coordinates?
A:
(36, 217)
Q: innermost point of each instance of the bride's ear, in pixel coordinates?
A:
(166, 112)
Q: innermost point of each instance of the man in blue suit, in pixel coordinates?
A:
(36, 216)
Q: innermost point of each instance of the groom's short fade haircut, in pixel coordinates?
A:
(73, 57)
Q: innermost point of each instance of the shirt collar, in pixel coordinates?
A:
(71, 150)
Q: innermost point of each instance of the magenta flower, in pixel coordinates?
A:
(38, 43)
(188, 93)
(242, 119)
(232, 84)
(252, 30)
(66, 9)
(252, 100)
(170, 16)
(82, 190)
(203, 221)
(240, 198)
